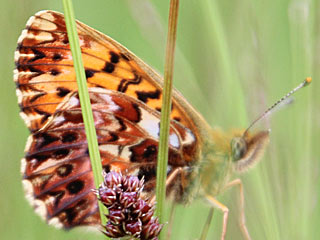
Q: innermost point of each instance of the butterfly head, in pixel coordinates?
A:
(247, 149)
(227, 153)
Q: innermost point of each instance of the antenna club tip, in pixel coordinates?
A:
(307, 81)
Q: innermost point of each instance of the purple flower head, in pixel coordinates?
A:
(129, 214)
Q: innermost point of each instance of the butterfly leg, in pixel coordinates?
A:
(242, 218)
(218, 205)
(172, 176)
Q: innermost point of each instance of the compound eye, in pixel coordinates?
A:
(238, 148)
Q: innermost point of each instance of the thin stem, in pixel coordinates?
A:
(166, 109)
(84, 99)
(205, 229)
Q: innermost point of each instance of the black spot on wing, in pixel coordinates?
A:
(34, 69)
(145, 151)
(121, 85)
(64, 170)
(56, 57)
(107, 168)
(35, 97)
(114, 58)
(108, 67)
(45, 139)
(147, 172)
(38, 157)
(124, 83)
(38, 55)
(61, 91)
(90, 73)
(69, 137)
(150, 152)
(43, 113)
(144, 96)
(86, 153)
(31, 68)
(138, 112)
(71, 213)
(120, 121)
(75, 186)
(54, 72)
(177, 119)
(61, 153)
(65, 40)
(114, 137)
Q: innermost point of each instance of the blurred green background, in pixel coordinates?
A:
(234, 59)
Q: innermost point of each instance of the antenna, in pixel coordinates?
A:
(306, 82)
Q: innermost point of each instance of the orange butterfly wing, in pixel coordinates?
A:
(44, 69)
(126, 100)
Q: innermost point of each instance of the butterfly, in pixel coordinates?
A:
(126, 96)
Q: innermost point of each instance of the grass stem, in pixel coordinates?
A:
(84, 99)
(166, 109)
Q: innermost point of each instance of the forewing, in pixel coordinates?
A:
(44, 72)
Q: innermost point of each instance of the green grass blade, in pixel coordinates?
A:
(166, 109)
(84, 99)
(206, 226)
(230, 79)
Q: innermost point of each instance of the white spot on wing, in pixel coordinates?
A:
(111, 149)
(40, 208)
(15, 75)
(23, 166)
(58, 119)
(189, 137)
(55, 222)
(45, 165)
(17, 55)
(45, 14)
(30, 117)
(149, 123)
(29, 93)
(42, 36)
(19, 95)
(24, 33)
(174, 140)
(28, 144)
(42, 78)
(30, 21)
(50, 200)
(44, 25)
(25, 118)
(111, 104)
(22, 74)
(126, 153)
(73, 101)
(28, 191)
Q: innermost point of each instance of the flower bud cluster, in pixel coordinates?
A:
(129, 214)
